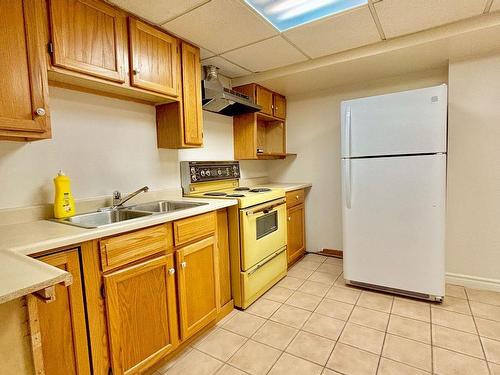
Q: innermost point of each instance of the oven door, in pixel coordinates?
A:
(263, 231)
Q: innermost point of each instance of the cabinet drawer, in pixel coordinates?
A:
(190, 229)
(294, 198)
(120, 250)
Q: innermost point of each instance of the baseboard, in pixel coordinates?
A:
(332, 253)
(473, 281)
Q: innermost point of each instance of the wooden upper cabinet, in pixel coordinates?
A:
(279, 106)
(191, 95)
(89, 36)
(264, 98)
(24, 112)
(142, 314)
(197, 284)
(154, 59)
(62, 322)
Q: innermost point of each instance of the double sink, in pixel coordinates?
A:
(109, 216)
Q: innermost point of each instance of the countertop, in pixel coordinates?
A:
(20, 274)
(287, 186)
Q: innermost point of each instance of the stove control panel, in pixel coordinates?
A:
(202, 171)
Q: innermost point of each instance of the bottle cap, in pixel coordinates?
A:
(61, 173)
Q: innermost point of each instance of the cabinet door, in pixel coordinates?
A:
(62, 322)
(279, 106)
(154, 58)
(264, 98)
(191, 95)
(23, 71)
(88, 36)
(296, 232)
(142, 317)
(196, 265)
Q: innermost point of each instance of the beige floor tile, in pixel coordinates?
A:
(453, 320)
(454, 304)
(492, 350)
(291, 316)
(167, 365)
(364, 338)
(254, 358)
(486, 311)
(331, 260)
(291, 365)
(324, 326)
(375, 301)
(278, 294)
(347, 295)
(369, 318)
(291, 283)
(334, 309)
(447, 362)
(341, 282)
(484, 296)
(412, 309)
(352, 361)
(308, 265)
(275, 334)
(303, 300)
(330, 268)
(327, 371)
(314, 288)
(410, 328)
(488, 328)
(195, 362)
(456, 291)
(228, 317)
(244, 324)
(495, 369)
(221, 344)
(322, 277)
(458, 341)
(407, 351)
(312, 347)
(390, 367)
(263, 308)
(229, 370)
(315, 258)
(299, 273)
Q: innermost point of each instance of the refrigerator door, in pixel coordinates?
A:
(394, 222)
(410, 122)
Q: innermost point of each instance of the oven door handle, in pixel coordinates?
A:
(260, 265)
(265, 209)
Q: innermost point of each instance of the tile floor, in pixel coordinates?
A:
(312, 323)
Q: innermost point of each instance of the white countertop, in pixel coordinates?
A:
(287, 186)
(20, 274)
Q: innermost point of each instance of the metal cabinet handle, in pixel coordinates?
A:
(183, 264)
(296, 197)
(136, 71)
(289, 218)
(171, 271)
(40, 111)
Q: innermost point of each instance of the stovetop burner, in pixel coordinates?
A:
(259, 190)
(242, 188)
(215, 194)
(235, 195)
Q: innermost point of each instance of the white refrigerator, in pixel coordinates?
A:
(394, 191)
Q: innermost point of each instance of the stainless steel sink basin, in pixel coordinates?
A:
(164, 206)
(102, 218)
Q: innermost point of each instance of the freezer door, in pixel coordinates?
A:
(410, 122)
(394, 222)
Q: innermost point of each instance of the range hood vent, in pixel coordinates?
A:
(219, 99)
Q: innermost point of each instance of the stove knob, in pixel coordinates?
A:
(193, 170)
(219, 172)
(193, 178)
(202, 173)
(207, 172)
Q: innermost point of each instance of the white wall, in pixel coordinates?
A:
(104, 144)
(473, 226)
(313, 132)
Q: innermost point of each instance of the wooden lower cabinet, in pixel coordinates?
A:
(296, 238)
(62, 322)
(142, 314)
(196, 281)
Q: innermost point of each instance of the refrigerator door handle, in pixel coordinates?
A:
(346, 171)
(347, 132)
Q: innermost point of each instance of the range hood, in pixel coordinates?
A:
(220, 99)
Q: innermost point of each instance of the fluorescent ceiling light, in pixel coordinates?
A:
(285, 14)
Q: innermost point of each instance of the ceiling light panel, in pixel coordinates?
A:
(285, 14)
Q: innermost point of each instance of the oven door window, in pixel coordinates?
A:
(267, 224)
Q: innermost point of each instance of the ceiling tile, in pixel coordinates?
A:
(205, 54)
(268, 54)
(337, 33)
(399, 17)
(221, 25)
(225, 67)
(157, 11)
(495, 6)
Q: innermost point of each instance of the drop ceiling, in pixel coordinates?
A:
(238, 40)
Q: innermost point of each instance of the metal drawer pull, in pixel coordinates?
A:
(171, 271)
(183, 264)
(289, 218)
(296, 197)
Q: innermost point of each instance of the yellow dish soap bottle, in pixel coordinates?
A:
(64, 204)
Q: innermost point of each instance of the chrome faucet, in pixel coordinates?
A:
(118, 201)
